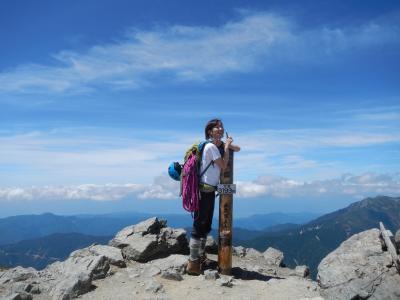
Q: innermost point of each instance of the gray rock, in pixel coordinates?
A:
(19, 283)
(270, 256)
(113, 254)
(211, 275)
(141, 248)
(257, 268)
(149, 240)
(358, 270)
(150, 271)
(154, 287)
(226, 281)
(239, 251)
(35, 289)
(301, 271)
(152, 226)
(211, 245)
(253, 253)
(171, 275)
(81, 261)
(71, 286)
(149, 226)
(175, 262)
(273, 256)
(175, 240)
(74, 276)
(22, 286)
(18, 274)
(397, 240)
(19, 296)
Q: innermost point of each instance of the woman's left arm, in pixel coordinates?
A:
(235, 148)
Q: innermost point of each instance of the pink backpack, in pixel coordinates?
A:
(190, 178)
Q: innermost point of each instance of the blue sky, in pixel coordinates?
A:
(98, 97)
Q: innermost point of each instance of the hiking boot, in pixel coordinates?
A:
(193, 267)
(206, 263)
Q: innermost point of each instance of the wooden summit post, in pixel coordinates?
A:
(226, 190)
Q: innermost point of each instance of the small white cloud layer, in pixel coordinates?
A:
(355, 186)
(348, 185)
(162, 188)
(257, 41)
(107, 192)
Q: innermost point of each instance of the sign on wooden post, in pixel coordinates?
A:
(226, 190)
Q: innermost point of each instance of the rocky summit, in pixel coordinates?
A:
(148, 261)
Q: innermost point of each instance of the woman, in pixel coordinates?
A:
(217, 153)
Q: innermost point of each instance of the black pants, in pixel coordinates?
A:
(203, 218)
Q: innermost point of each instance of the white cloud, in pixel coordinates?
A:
(283, 141)
(348, 185)
(107, 192)
(78, 156)
(256, 41)
(162, 188)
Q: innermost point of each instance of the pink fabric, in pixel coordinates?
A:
(190, 185)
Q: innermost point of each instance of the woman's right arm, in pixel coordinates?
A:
(223, 161)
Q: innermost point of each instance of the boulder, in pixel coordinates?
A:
(239, 251)
(18, 274)
(253, 253)
(150, 240)
(19, 296)
(154, 287)
(175, 262)
(19, 283)
(113, 255)
(273, 257)
(211, 274)
(71, 286)
(226, 281)
(301, 271)
(152, 226)
(74, 276)
(81, 261)
(359, 269)
(397, 241)
(171, 275)
(211, 245)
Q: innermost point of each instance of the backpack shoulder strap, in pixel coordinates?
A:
(204, 171)
(202, 145)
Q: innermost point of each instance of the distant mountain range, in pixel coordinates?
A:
(40, 252)
(36, 240)
(263, 222)
(24, 227)
(19, 228)
(309, 243)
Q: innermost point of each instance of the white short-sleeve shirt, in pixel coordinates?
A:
(211, 176)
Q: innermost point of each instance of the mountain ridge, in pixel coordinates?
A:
(17, 228)
(40, 252)
(310, 242)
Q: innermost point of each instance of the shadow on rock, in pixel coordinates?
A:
(239, 273)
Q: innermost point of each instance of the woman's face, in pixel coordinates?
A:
(217, 132)
(221, 128)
